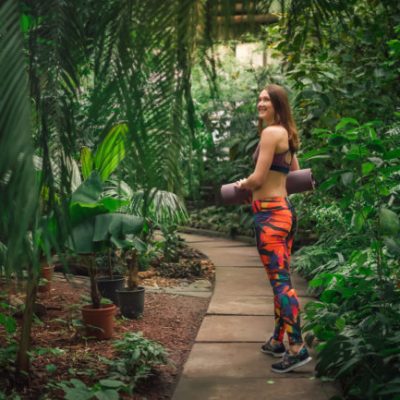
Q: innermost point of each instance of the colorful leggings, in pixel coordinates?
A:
(275, 225)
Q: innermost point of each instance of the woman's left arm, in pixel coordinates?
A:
(295, 164)
(268, 142)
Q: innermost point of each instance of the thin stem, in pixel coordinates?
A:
(23, 361)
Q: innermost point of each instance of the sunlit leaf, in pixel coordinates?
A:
(86, 162)
(366, 168)
(389, 221)
(344, 122)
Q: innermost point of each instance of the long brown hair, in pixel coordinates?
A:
(283, 115)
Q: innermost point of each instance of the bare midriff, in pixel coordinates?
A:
(274, 185)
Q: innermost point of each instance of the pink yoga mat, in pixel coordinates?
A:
(296, 182)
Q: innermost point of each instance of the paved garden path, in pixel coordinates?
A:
(225, 362)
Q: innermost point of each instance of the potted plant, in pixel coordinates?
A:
(94, 226)
(131, 298)
(111, 281)
(120, 230)
(84, 207)
(98, 317)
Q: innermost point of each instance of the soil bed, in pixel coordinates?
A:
(172, 320)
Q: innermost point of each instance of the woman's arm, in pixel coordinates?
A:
(269, 139)
(295, 164)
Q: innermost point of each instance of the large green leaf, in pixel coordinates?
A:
(113, 204)
(81, 240)
(111, 151)
(79, 212)
(89, 191)
(116, 225)
(85, 201)
(86, 162)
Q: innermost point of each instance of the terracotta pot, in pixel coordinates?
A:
(47, 273)
(99, 321)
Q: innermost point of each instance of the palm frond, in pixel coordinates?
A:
(17, 187)
(165, 208)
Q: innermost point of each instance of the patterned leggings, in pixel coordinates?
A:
(275, 225)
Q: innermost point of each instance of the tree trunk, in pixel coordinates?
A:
(133, 268)
(23, 361)
(94, 291)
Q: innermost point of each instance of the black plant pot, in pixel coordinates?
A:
(108, 287)
(131, 302)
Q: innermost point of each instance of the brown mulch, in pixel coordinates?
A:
(173, 320)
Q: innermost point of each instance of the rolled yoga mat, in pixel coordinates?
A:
(296, 182)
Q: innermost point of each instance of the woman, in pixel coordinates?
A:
(275, 221)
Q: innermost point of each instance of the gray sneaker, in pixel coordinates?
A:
(275, 350)
(292, 361)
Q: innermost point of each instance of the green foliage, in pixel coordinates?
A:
(353, 269)
(136, 357)
(160, 206)
(104, 389)
(226, 134)
(171, 243)
(18, 192)
(9, 323)
(233, 223)
(342, 69)
(109, 154)
(9, 348)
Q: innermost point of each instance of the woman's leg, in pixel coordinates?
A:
(295, 347)
(279, 330)
(274, 227)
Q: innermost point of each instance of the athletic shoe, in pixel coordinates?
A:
(276, 350)
(292, 361)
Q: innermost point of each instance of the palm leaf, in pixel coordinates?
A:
(164, 208)
(111, 151)
(86, 162)
(17, 194)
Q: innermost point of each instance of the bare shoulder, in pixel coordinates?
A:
(274, 133)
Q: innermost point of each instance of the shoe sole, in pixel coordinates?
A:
(300, 364)
(276, 355)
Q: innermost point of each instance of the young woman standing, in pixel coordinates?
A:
(275, 221)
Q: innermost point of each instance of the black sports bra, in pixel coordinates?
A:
(279, 162)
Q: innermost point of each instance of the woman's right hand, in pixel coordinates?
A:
(239, 184)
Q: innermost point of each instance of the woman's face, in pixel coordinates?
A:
(264, 106)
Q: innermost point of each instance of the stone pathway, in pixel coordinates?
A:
(225, 362)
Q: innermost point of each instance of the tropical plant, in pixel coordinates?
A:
(136, 357)
(94, 222)
(354, 263)
(103, 389)
(237, 221)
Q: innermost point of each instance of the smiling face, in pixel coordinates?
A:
(265, 107)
